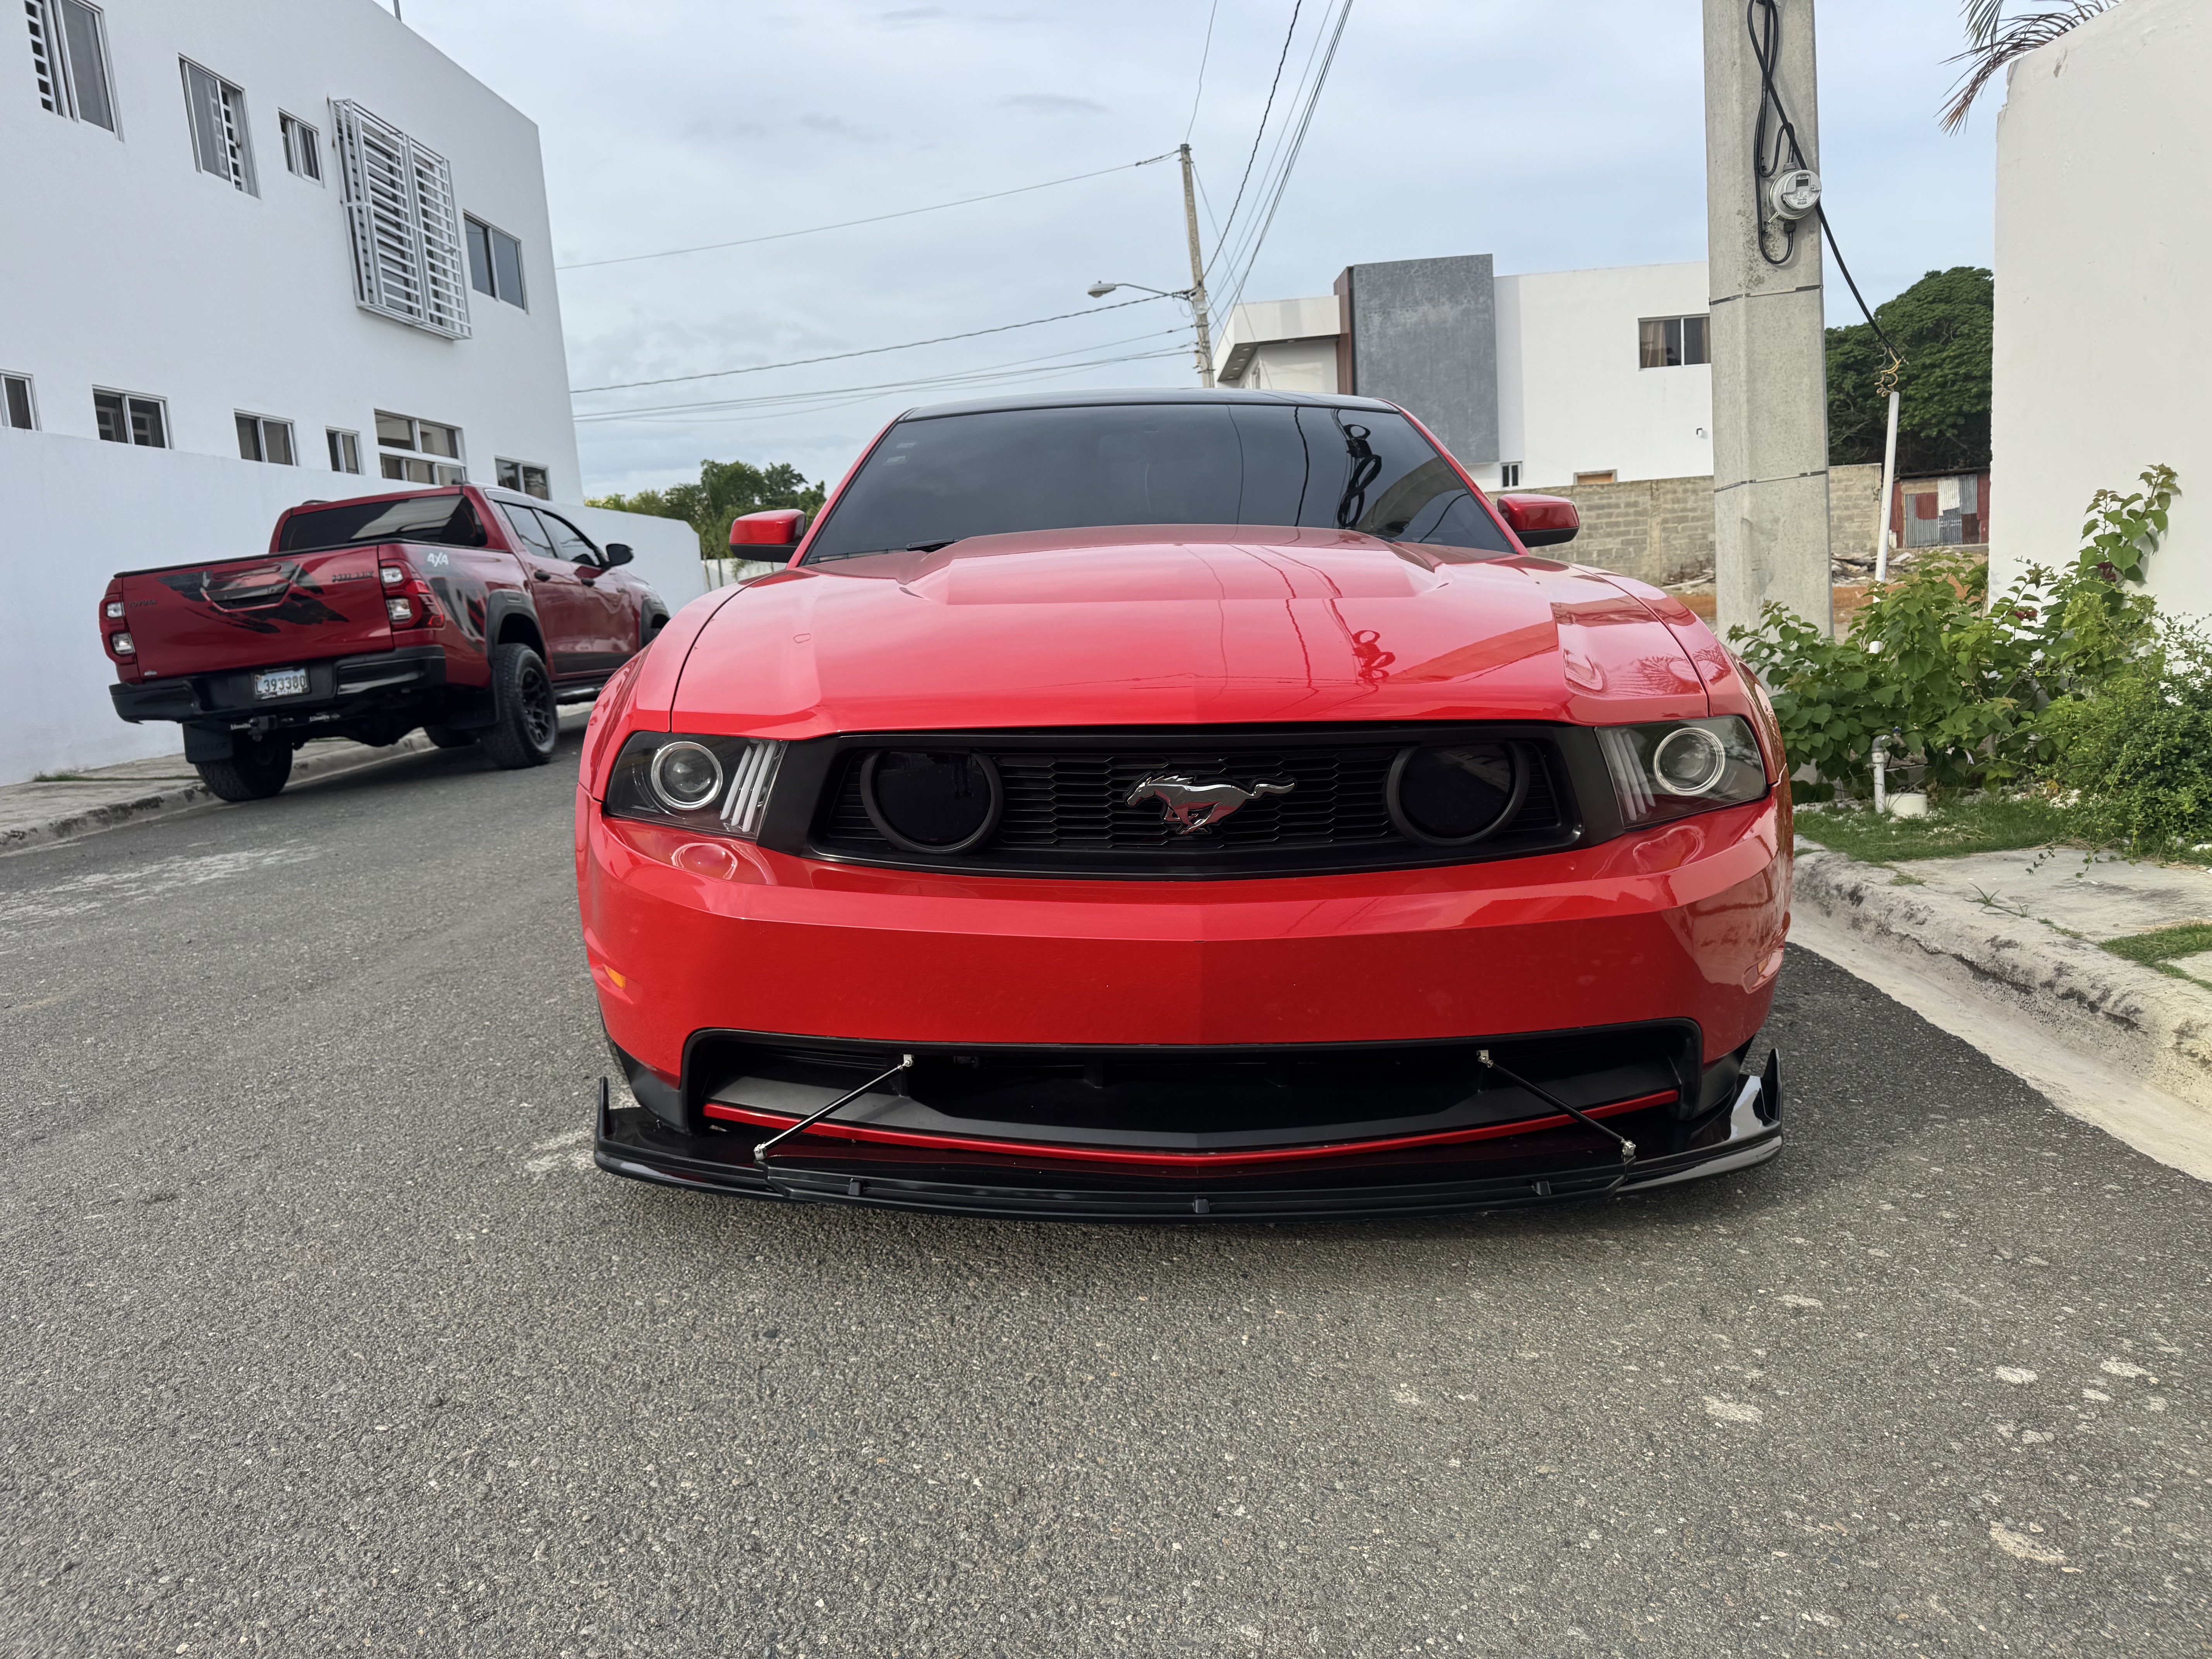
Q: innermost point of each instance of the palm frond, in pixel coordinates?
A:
(1999, 42)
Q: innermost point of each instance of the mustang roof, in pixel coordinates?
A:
(1141, 395)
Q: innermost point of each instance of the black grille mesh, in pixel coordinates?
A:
(1068, 806)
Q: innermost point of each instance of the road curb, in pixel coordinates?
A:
(177, 798)
(2153, 1027)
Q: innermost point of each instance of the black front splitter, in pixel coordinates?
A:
(633, 1142)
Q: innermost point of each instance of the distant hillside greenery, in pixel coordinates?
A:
(1941, 325)
(726, 490)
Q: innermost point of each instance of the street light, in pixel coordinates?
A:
(1100, 290)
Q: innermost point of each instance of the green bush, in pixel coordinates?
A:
(2138, 749)
(1960, 685)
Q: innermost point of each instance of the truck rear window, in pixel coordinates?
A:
(443, 518)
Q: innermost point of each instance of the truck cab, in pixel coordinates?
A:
(471, 613)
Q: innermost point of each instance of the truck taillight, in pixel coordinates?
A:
(409, 600)
(114, 609)
(122, 645)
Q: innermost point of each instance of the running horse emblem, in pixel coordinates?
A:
(1191, 805)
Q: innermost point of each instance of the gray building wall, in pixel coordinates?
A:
(1424, 334)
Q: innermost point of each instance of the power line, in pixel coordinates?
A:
(870, 351)
(839, 397)
(1266, 111)
(1204, 52)
(1297, 147)
(1243, 235)
(875, 219)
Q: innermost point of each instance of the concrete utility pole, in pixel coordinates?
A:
(1197, 273)
(1770, 368)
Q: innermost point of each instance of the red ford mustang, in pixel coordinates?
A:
(1181, 804)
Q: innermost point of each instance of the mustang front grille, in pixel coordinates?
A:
(1312, 801)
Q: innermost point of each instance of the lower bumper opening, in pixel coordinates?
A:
(1173, 1134)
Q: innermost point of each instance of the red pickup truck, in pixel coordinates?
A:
(470, 612)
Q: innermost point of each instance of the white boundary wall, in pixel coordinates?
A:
(2104, 334)
(79, 510)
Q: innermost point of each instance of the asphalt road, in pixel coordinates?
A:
(322, 1336)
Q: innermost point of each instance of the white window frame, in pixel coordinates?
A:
(409, 462)
(1509, 475)
(409, 261)
(1681, 326)
(302, 141)
(168, 430)
(54, 67)
(233, 160)
(261, 424)
(505, 469)
(342, 446)
(519, 302)
(8, 378)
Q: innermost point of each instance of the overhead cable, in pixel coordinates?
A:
(1204, 52)
(1266, 110)
(1245, 235)
(870, 351)
(874, 219)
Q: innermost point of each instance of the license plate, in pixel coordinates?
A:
(281, 682)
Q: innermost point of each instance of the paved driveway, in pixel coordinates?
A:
(321, 1335)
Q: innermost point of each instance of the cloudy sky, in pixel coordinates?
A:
(1552, 136)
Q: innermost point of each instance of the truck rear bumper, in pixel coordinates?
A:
(338, 689)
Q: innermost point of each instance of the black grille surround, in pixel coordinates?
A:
(1066, 811)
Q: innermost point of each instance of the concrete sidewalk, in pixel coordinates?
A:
(71, 804)
(2030, 931)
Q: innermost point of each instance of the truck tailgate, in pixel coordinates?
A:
(247, 613)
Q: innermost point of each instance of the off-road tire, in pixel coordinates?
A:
(526, 724)
(254, 772)
(446, 737)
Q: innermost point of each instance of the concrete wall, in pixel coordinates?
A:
(1570, 395)
(1292, 366)
(1660, 530)
(2104, 337)
(80, 510)
(1425, 336)
(130, 270)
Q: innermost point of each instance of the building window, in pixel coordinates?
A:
(407, 255)
(1671, 341)
(1509, 475)
(345, 450)
(125, 417)
(522, 477)
(494, 263)
(16, 402)
(1609, 476)
(431, 453)
(303, 147)
(220, 144)
(68, 60)
(260, 439)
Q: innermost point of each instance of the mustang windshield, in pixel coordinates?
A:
(946, 477)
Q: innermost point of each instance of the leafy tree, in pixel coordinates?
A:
(1941, 324)
(726, 490)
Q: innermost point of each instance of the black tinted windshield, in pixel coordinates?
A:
(446, 519)
(946, 477)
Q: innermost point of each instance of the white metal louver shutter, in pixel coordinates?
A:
(406, 234)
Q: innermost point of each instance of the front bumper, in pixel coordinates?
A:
(1551, 1159)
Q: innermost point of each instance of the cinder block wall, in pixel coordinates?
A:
(1660, 530)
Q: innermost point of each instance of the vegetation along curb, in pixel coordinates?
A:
(2156, 1028)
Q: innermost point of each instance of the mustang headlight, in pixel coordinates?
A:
(719, 785)
(1675, 768)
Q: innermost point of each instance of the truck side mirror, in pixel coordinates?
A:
(618, 553)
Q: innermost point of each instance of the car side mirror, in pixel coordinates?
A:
(1540, 520)
(617, 553)
(780, 527)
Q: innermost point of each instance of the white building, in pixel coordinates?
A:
(259, 252)
(1596, 376)
(2104, 340)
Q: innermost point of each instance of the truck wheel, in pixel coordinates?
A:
(254, 772)
(524, 726)
(445, 737)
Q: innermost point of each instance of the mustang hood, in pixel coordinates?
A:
(1151, 625)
